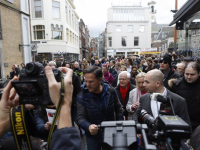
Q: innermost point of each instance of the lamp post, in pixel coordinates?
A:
(175, 32)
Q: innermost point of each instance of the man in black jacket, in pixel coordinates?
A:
(77, 70)
(97, 102)
(123, 90)
(167, 70)
(15, 71)
(153, 82)
(112, 66)
(188, 87)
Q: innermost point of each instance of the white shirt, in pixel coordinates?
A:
(155, 105)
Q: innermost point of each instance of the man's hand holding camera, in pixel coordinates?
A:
(8, 101)
(64, 119)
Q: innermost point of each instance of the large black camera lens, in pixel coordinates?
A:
(33, 69)
(145, 118)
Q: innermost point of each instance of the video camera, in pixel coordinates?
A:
(122, 135)
(32, 86)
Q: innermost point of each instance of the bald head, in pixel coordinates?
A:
(156, 75)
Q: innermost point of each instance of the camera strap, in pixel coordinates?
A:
(19, 128)
(18, 123)
(62, 94)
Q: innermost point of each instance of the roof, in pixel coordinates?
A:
(186, 11)
(165, 32)
(157, 27)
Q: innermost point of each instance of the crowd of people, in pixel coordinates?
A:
(117, 89)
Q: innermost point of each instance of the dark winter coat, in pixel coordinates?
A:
(12, 73)
(66, 138)
(125, 113)
(191, 93)
(91, 110)
(172, 75)
(112, 69)
(78, 71)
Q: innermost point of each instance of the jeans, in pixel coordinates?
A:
(94, 144)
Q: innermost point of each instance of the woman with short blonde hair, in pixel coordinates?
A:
(135, 94)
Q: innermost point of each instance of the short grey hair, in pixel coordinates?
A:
(182, 63)
(52, 63)
(127, 73)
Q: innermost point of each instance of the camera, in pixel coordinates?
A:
(145, 118)
(156, 133)
(32, 86)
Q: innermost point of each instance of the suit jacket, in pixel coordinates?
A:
(179, 105)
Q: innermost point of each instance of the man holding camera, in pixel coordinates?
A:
(97, 102)
(15, 71)
(65, 136)
(153, 82)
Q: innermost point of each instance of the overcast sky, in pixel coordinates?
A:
(94, 12)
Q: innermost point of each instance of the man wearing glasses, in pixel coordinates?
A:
(167, 70)
(123, 89)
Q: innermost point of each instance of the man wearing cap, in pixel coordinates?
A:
(167, 70)
(187, 60)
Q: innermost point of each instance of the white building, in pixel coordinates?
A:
(55, 28)
(128, 30)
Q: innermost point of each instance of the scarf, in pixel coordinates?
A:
(123, 92)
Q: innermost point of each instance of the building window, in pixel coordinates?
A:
(56, 35)
(198, 31)
(39, 32)
(123, 41)
(141, 29)
(70, 36)
(110, 41)
(55, 9)
(118, 28)
(66, 11)
(194, 33)
(67, 35)
(130, 28)
(38, 9)
(136, 41)
(69, 17)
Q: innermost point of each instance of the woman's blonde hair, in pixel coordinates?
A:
(140, 75)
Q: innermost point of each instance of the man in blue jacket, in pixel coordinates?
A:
(97, 102)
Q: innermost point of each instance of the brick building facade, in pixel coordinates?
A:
(11, 36)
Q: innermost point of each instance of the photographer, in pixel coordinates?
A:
(70, 138)
(15, 71)
(153, 82)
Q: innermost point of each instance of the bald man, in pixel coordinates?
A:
(153, 82)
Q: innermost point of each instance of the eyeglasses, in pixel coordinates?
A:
(123, 79)
(163, 62)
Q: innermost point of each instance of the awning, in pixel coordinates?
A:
(150, 52)
(186, 11)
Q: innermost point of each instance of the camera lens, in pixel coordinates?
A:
(145, 118)
(33, 69)
(30, 68)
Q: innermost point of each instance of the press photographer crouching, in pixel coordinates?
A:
(153, 83)
(65, 136)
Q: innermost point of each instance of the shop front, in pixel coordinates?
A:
(187, 20)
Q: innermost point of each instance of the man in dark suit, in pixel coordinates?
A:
(153, 82)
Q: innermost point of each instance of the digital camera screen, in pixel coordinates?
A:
(27, 89)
